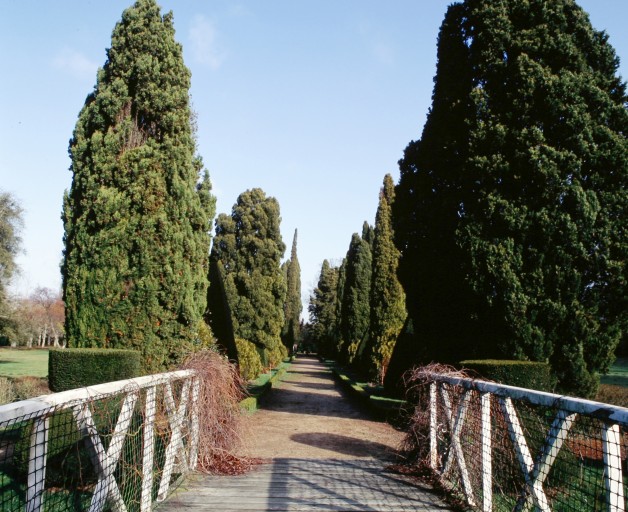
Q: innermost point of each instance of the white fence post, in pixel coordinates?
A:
(194, 425)
(455, 425)
(433, 420)
(487, 469)
(613, 478)
(37, 464)
(148, 450)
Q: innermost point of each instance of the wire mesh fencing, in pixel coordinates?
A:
(500, 447)
(117, 446)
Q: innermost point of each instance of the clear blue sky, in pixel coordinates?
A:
(313, 101)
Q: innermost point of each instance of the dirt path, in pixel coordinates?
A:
(307, 416)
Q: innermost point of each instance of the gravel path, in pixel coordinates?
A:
(307, 416)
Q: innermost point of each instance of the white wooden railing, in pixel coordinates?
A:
(449, 404)
(180, 453)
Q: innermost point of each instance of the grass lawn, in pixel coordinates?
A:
(23, 363)
(618, 376)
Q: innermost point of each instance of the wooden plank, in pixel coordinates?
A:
(307, 485)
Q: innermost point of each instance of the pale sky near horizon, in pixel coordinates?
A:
(313, 101)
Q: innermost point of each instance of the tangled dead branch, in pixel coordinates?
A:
(220, 419)
(415, 445)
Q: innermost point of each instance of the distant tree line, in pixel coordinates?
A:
(510, 213)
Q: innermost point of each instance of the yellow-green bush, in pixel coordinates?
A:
(249, 362)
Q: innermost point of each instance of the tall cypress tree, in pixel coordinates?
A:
(136, 217)
(355, 309)
(510, 209)
(249, 247)
(388, 308)
(322, 308)
(293, 306)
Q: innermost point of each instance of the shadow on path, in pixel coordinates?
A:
(341, 444)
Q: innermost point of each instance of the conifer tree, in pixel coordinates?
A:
(510, 212)
(322, 309)
(136, 217)
(249, 248)
(388, 308)
(355, 309)
(293, 306)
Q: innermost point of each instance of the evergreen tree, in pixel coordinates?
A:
(322, 308)
(249, 248)
(136, 217)
(355, 310)
(340, 293)
(388, 309)
(511, 207)
(293, 306)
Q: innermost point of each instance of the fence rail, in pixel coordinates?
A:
(507, 448)
(120, 444)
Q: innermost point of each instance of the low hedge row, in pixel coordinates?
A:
(523, 374)
(260, 386)
(381, 407)
(79, 367)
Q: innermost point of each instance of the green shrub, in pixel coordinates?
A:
(79, 367)
(249, 361)
(523, 374)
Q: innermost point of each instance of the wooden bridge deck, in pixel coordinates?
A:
(306, 485)
(323, 453)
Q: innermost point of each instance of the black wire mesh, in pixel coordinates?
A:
(119, 451)
(531, 457)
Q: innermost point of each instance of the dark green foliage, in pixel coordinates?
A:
(10, 223)
(218, 314)
(137, 218)
(388, 308)
(322, 308)
(292, 308)
(523, 374)
(249, 248)
(355, 308)
(403, 358)
(76, 368)
(340, 293)
(510, 211)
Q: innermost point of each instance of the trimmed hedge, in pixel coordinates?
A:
(383, 408)
(260, 386)
(523, 374)
(79, 367)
